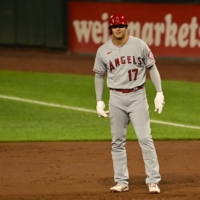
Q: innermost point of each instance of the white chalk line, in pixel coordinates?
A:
(86, 110)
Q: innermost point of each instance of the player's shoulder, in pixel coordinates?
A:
(104, 47)
(136, 39)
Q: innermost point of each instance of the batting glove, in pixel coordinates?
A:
(159, 102)
(100, 109)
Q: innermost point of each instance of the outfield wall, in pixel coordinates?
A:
(168, 29)
(38, 23)
(82, 26)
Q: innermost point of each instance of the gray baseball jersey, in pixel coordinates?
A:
(125, 66)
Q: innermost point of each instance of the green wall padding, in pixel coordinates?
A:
(32, 23)
(7, 22)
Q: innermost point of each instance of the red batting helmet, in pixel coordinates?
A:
(117, 19)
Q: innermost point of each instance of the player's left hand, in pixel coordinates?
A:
(159, 102)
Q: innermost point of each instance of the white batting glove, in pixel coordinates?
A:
(159, 102)
(100, 109)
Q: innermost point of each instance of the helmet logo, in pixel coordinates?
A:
(117, 19)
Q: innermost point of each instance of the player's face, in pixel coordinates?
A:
(119, 31)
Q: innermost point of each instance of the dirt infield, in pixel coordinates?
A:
(83, 170)
(61, 62)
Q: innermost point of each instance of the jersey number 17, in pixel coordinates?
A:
(132, 74)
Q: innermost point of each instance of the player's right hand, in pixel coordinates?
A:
(159, 102)
(100, 109)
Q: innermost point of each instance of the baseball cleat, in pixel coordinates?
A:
(119, 188)
(153, 188)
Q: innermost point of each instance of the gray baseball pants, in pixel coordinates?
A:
(131, 107)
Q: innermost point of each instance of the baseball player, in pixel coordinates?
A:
(125, 59)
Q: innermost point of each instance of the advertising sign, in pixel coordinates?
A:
(168, 29)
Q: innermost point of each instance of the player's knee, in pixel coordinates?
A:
(145, 141)
(118, 146)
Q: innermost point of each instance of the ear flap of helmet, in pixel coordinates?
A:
(110, 30)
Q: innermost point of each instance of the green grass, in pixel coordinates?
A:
(21, 121)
